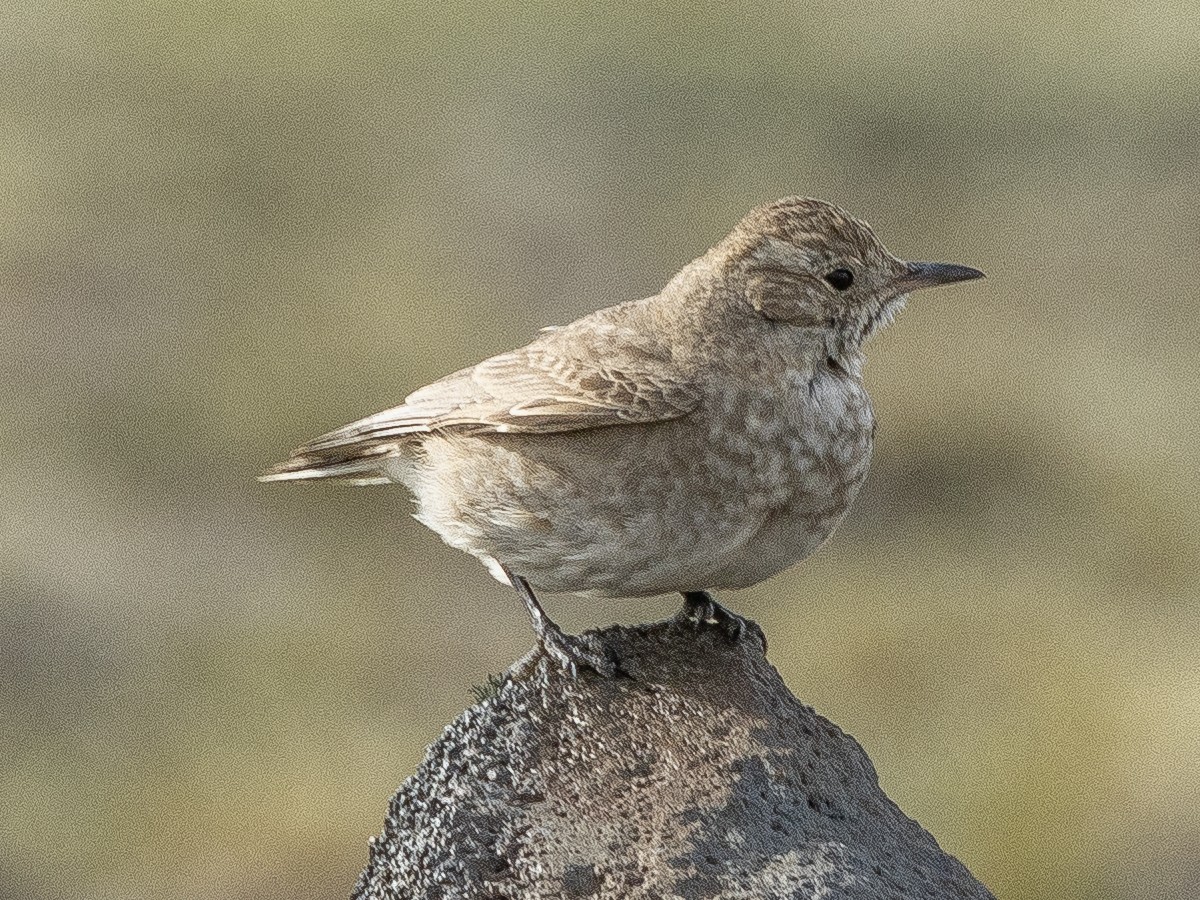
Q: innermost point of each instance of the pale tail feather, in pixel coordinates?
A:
(361, 464)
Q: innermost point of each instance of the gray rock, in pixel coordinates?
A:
(694, 775)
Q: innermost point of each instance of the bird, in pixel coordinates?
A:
(704, 438)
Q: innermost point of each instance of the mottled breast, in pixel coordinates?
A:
(803, 448)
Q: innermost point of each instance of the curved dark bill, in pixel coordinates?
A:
(927, 274)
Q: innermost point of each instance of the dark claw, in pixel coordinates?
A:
(699, 608)
(570, 651)
(573, 652)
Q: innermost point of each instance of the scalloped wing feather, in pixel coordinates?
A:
(535, 390)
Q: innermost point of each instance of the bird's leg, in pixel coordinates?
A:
(568, 650)
(701, 608)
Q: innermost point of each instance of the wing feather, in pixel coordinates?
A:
(561, 382)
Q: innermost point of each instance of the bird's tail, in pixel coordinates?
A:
(375, 450)
(360, 463)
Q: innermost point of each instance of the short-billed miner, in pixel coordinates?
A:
(707, 437)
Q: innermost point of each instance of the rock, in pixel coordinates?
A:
(694, 774)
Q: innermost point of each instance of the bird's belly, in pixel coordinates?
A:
(680, 506)
(783, 540)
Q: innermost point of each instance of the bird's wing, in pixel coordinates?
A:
(605, 376)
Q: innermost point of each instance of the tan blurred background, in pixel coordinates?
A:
(227, 228)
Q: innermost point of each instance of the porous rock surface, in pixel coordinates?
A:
(695, 774)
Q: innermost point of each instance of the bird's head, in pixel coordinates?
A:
(808, 264)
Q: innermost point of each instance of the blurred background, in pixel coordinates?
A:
(226, 228)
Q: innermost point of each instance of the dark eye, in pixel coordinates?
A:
(840, 279)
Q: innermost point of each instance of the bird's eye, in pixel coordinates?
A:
(840, 279)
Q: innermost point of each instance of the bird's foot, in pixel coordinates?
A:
(700, 608)
(570, 651)
(573, 652)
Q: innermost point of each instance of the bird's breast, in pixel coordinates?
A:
(795, 451)
(797, 440)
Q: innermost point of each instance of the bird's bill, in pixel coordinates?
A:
(929, 274)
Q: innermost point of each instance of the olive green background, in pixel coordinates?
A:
(226, 228)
